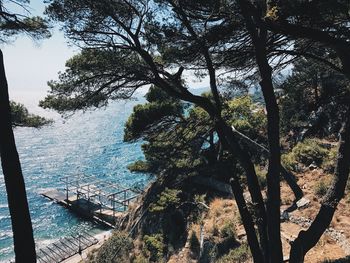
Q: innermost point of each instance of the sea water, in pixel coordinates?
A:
(88, 143)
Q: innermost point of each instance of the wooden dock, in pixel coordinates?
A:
(98, 200)
(65, 248)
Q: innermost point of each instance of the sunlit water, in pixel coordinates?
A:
(87, 144)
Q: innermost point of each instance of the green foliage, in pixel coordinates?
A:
(115, 249)
(155, 94)
(21, 117)
(312, 99)
(330, 161)
(174, 139)
(145, 115)
(307, 152)
(228, 230)
(139, 166)
(322, 186)
(194, 243)
(18, 20)
(140, 259)
(167, 199)
(154, 246)
(92, 78)
(246, 117)
(237, 255)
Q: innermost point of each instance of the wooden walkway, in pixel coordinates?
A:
(65, 248)
(95, 199)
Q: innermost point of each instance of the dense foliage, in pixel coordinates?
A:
(115, 249)
(21, 117)
(183, 140)
(313, 100)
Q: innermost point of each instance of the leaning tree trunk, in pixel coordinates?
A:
(308, 239)
(16, 194)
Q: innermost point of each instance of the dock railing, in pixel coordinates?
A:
(101, 192)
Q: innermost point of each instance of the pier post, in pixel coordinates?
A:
(67, 190)
(124, 201)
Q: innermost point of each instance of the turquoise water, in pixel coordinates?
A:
(87, 144)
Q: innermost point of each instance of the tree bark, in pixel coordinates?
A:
(247, 220)
(288, 176)
(259, 39)
(24, 245)
(308, 239)
(226, 135)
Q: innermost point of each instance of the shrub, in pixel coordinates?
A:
(238, 255)
(115, 249)
(289, 162)
(139, 166)
(140, 259)
(321, 187)
(228, 230)
(168, 198)
(155, 247)
(307, 152)
(330, 161)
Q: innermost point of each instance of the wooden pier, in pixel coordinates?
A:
(65, 248)
(95, 199)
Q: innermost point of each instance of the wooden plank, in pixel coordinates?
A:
(54, 195)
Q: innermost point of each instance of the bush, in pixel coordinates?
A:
(140, 259)
(289, 162)
(330, 161)
(321, 187)
(228, 230)
(21, 117)
(139, 166)
(115, 249)
(238, 255)
(155, 247)
(168, 198)
(305, 153)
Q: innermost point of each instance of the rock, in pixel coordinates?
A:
(313, 166)
(285, 216)
(303, 202)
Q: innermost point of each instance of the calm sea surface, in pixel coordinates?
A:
(86, 144)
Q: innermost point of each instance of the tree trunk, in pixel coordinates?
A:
(273, 175)
(226, 135)
(259, 39)
(288, 176)
(16, 194)
(247, 220)
(308, 239)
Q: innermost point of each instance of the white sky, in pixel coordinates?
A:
(29, 65)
